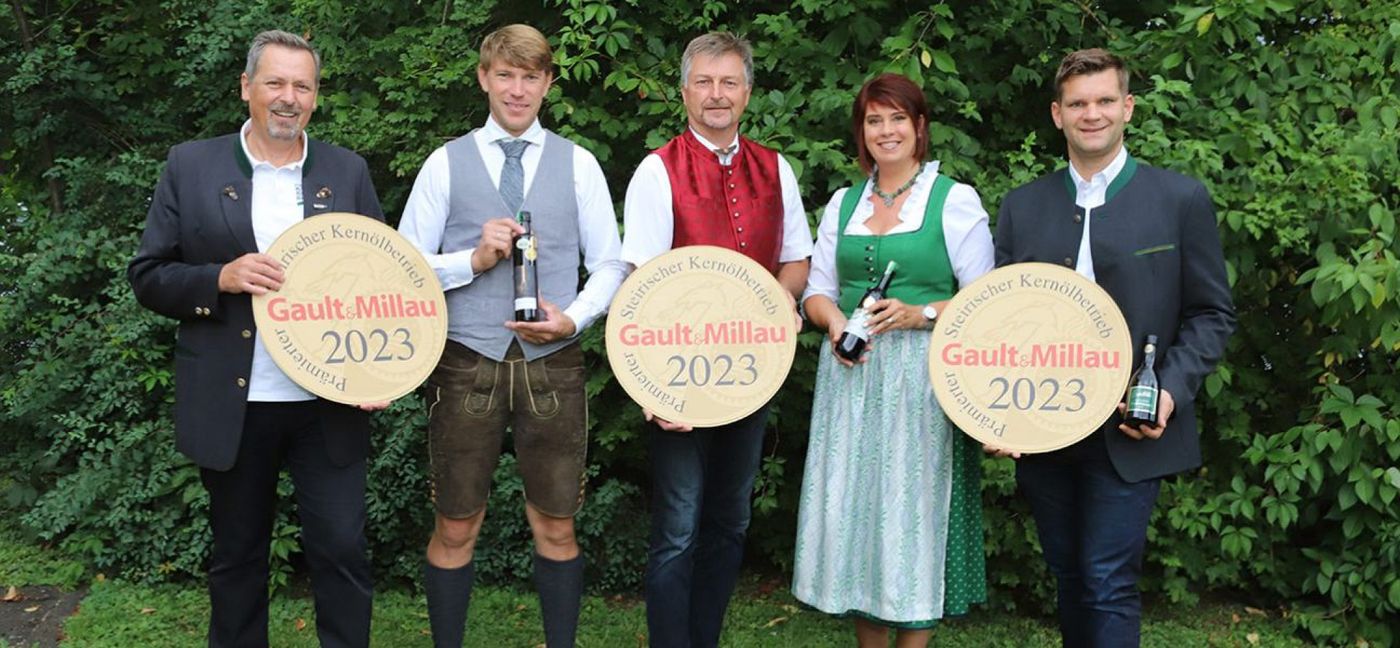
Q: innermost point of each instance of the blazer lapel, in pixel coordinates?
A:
(236, 202)
(318, 193)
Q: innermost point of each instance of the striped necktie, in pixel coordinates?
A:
(512, 174)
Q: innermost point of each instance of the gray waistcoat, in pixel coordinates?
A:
(476, 311)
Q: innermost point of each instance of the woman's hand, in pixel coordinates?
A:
(890, 314)
(838, 324)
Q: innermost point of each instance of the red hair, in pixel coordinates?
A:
(894, 91)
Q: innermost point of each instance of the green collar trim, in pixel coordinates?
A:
(246, 166)
(1124, 177)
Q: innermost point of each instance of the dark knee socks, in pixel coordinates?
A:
(560, 586)
(449, 594)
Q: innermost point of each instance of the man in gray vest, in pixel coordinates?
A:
(496, 373)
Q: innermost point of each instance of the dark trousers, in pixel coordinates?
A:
(331, 505)
(1093, 530)
(702, 488)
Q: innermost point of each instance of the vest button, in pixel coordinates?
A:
(1069, 262)
(743, 244)
(870, 269)
(740, 230)
(729, 171)
(736, 214)
(242, 382)
(869, 259)
(868, 248)
(733, 200)
(1078, 218)
(731, 185)
(247, 334)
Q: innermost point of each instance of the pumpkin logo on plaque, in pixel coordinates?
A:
(701, 335)
(360, 317)
(1031, 357)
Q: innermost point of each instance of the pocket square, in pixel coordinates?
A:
(1155, 249)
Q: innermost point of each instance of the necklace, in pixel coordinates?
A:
(889, 198)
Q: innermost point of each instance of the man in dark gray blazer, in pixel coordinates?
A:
(220, 203)
(1147, 236)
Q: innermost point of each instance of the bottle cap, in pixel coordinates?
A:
(891, 267)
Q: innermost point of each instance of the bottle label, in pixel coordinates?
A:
(856, 326)
(526, 303)
(526, 245)
(1142, 399)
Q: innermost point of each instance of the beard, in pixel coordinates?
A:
(282, 131)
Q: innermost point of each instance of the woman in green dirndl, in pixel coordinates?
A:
(890, 524)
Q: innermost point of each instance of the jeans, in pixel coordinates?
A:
(1093, 530)
(702, 487)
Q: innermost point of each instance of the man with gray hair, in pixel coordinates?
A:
(219, 205)
(709, 186)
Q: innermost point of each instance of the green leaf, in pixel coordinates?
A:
(1203, 23)
(944, 62)
(1172, 60)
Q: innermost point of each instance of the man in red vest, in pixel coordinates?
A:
(709, 186)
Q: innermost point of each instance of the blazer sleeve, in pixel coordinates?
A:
(365, 196)
(1207, 310)
(159, 275)
(1003, 239)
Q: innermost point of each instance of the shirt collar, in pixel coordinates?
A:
(495, 132)
(254, 161)
(1107, 175)
(712, 146)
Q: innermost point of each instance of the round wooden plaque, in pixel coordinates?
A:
(1031, 357)
(701, 335)
(360, 318)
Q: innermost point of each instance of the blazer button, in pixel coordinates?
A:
(198, 310)
(242, 382)
(1078, 218)
(1069, 263)
(247, 334)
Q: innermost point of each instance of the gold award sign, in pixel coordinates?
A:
(701, 335)
(1031, 357)
(360, 317)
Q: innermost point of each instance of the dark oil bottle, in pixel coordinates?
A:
(1143, 389)
(857, 332)
(527, 286)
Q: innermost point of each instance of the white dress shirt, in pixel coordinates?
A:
(425, 218)
(965, 231)
(276, 206)
(650, 220)
(1091, 194)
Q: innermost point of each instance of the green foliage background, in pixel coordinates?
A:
(1286, 109)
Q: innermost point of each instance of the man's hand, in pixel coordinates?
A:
(796, 312)
(495, 244)
(1165, 406)
(665, 424)
(556, 326)
(253, 273)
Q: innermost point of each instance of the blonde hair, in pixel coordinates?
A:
(519, 46)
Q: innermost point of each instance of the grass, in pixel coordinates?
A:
(119, 614)
(126, 614)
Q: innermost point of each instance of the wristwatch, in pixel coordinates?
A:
(930, 313)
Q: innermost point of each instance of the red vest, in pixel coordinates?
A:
(739, 206)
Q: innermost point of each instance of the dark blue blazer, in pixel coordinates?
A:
(1156, 250)
(200, 219)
